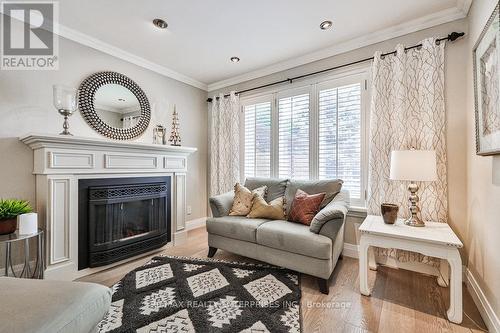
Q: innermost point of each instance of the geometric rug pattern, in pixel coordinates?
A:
(184, 294)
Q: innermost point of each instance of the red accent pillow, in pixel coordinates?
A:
(305, 206)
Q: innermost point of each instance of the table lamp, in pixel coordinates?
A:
(413, 166)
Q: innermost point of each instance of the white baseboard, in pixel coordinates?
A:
(483, 305)
(196, 223)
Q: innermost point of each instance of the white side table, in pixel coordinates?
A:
(435, 240)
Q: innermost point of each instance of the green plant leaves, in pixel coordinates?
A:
(10, 208)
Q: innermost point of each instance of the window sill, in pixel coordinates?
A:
(357, 211)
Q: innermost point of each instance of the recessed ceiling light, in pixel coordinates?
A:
(235, 59)
(159, 23)
(326, 25)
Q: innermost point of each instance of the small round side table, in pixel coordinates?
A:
(27, 272)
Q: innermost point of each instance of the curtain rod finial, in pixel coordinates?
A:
(455, 35)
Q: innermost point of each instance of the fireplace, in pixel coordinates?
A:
(121, 217)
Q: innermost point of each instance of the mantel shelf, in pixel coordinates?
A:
(36, 141)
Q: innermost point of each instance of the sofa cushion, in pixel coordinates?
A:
(275, 187)
(243, 199)
(304, 207)
(273, 210)
(329, 186)
(236, 227)
(51, 306)
(294, 237)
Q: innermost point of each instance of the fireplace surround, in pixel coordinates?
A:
(119, 218)
(61, 162)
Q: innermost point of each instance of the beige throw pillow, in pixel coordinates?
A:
(243, 199)
(273, 210)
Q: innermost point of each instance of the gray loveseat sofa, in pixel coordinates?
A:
(312, 250)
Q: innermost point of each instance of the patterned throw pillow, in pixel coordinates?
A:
(273, 210)
(304, 207)
(243, 199)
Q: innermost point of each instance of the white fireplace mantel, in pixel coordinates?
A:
(60, 161)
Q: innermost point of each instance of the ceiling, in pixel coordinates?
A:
(268, 35)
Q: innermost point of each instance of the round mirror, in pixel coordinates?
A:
(114, 105)
(117, 106)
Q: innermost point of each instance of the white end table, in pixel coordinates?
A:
(434, 240)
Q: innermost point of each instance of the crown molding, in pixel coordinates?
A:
(448, 15)
(99, 45)
(464, 6)
(116, 52)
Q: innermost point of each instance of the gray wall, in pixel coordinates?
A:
(26, 106)
(483, 185)
(455, 75)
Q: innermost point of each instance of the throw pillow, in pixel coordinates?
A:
(273, 210)
(305, 206)
(275, 187)
(243, 199)
(329, 186)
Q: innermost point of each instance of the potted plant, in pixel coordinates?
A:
(9, 210)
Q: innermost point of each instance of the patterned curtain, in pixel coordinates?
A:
(224, 144)
(408, 111)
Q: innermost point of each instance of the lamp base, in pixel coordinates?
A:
(414, 222)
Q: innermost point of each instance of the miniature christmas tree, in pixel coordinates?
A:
(175, 137)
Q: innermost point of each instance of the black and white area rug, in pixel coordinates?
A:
(181, 294)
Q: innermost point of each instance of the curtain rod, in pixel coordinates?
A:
(451, 37)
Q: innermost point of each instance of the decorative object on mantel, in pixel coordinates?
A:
(413, 165)
(66, 102)
(112, 90)
(389, 212)
(175, 136)
(10, 209)
(232, 297)
(487, 87)
(159, 134)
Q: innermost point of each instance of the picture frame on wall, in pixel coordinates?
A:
(486, 62)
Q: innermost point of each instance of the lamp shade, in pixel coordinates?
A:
(413, 165)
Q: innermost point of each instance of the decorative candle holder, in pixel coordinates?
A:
(28, 223)
(66, 103)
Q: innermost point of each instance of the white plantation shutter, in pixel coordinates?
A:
(314, 131)
(257, 140)
(340, 136)
(293, 137)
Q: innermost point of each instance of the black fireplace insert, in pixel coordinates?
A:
(121, 217)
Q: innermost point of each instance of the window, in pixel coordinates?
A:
(293, 133)
(316, 131)
(257, 140)
(340, 136)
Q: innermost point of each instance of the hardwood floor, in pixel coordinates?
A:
(401, 301)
